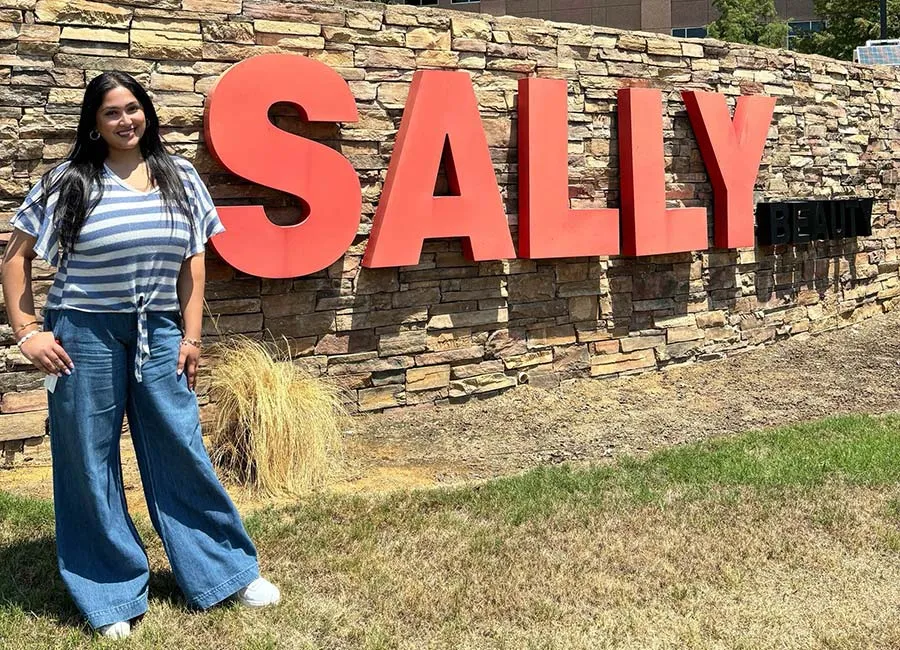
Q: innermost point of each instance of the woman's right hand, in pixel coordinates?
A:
(47, 355)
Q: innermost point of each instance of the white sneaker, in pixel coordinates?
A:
(118, 630)
(258, 593)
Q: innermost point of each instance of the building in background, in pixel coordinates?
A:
(676, 17)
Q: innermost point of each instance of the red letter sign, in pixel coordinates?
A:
(441, 108)
(731, 152)
(547, 226)
(240, 135)
(648, 228)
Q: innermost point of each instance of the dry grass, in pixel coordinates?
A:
(779, 540)
(277, 428)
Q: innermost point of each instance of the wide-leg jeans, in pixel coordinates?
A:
(102, 559)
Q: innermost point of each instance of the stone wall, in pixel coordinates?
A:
(448, 329)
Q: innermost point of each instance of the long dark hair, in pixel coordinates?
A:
(83, 173)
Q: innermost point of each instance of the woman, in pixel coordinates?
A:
(125, 225)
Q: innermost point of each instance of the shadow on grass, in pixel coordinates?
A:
(30, 581)
(163, 587)
(29, 574)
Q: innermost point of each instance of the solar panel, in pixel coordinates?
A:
(879, 53)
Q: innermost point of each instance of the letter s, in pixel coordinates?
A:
(241, 137)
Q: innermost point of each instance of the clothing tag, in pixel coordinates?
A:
(50, 382)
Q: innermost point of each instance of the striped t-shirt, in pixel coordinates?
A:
(130, 249)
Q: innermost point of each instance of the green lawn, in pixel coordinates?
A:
(787, 538)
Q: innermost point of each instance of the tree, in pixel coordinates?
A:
(755, 22)
(848, 24)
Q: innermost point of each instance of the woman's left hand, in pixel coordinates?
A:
(188, 360)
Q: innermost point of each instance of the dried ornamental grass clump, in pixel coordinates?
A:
(277, 429)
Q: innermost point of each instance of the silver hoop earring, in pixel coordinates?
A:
(94, 133)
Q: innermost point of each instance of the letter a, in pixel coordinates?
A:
(441, 109)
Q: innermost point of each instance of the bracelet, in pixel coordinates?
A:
(194, 342)
(27, 336)
(16, 331)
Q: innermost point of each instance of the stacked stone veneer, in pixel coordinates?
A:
(448, 328)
